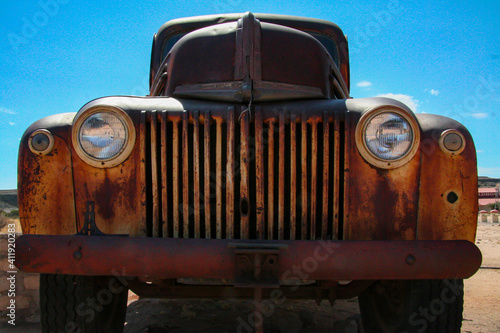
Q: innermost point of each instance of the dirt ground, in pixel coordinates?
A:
(482, 301)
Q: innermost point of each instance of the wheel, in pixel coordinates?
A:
(72, 303)
(431, 306)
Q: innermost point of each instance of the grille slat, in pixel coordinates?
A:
(164, 168)
(270, 180)
(218, 178)
(260, 180)
(304, 191)
(281, 181)
(230, 169)
(245, 172)
(196, 173)
(293, 177)
(185, 175)
(262, 175)
(154, 175)
(175, 177)
(208, 211)
(326, 174)
(314, 177)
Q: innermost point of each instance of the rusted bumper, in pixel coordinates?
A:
(202, 258)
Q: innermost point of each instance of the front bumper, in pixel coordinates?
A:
(206, 258)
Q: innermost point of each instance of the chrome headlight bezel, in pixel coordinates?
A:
(378, 161)
(122, 154)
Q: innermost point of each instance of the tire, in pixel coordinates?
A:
(430, 306)
(72, 303)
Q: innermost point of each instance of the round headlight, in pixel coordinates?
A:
(103, 136)
(387, 138)
(41, 142)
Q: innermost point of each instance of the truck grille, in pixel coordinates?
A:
(268, 174)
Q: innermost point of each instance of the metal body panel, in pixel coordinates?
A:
(45, 184)
(442, 174)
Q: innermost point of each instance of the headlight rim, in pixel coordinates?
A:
(49, 148)
(374, 159)
(443, 146)
(124, 152)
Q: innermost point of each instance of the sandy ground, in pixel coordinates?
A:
(482, 301)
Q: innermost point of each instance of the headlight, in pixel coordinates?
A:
(41, 142)
(387, 138)
(103, 136)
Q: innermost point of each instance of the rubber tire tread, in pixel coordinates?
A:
(71, 303)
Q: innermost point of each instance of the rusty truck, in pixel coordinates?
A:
(249, 172)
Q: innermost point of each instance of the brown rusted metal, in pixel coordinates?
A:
(281, 177)
(386, 198)
(230, 176)
(206, 200)
(270, 180)
(293, 176)
(245, 173)
(314, 177)
(200, 258)
(259, 172)
(218, 178)
(337, 169)
(164, 159)
(440, 175)
(185, 176)
(196, 173)
(154, 174)
(176, 177)
(304, 191)
(326, 175)
(142, 171)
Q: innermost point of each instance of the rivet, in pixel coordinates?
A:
(77, 255)
(410, 260)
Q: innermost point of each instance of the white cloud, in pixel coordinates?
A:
(434, 92)
(7, 111)
(411, 102)
(479, 151)
(480, 115)
(364, 84)
(11, 123)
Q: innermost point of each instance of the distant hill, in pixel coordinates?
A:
(488, 182)
(8, 200)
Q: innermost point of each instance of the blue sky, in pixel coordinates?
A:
(438, 57)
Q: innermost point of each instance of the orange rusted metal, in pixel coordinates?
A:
(436, 183)
(45, 190)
